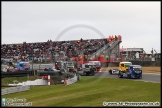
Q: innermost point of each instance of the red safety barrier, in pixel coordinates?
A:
(45, 77)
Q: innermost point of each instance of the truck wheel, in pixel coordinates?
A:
(84, 73)
(129, 76)
(120, 75)
(62, 71)
(93, 73)
(87, 73)
(110, 71)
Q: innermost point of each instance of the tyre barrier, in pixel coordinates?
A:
(17, 74)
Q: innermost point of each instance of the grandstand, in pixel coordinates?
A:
(81, 50)
(41, 51)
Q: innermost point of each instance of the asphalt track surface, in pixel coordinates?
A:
(147, 77)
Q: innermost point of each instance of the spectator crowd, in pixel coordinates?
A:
(42, 50)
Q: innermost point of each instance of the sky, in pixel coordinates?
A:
(137, 22)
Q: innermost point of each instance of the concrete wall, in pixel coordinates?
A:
(35, 82)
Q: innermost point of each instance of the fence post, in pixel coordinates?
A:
(65, 82)
(28, 76)
(49, 80)
(39, 67)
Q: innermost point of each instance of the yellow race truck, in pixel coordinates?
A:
(123, 67)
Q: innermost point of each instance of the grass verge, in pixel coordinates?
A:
(90, 91)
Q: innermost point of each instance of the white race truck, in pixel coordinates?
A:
(114, 71)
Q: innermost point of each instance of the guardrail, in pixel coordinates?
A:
(71, 80)
(14, 89)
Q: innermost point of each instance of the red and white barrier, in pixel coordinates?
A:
(49, 80)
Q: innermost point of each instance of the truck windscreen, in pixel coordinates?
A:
(26, 64)
(97, 64)
(137, 68)
(127, 64)
(70, 64)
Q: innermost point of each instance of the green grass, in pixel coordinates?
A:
(90, 91)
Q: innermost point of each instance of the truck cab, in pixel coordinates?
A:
(97, 64)
(90, 69)
(70, 67)
(134, 71)
(23, 66)
(123, 66)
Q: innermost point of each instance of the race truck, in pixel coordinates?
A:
(21, 66)
(70, 67)
(66, 65)
(123, 66)
(87, 69)
(97, 64)
(113, 71)
(134, 71)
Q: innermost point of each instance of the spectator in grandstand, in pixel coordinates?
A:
(81, 40)
(107, 57)
(116, 37)
(41, 50)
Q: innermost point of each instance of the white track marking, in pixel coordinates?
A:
(147, 81)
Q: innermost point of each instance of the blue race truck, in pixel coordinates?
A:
(22, 66)
(134, 71)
